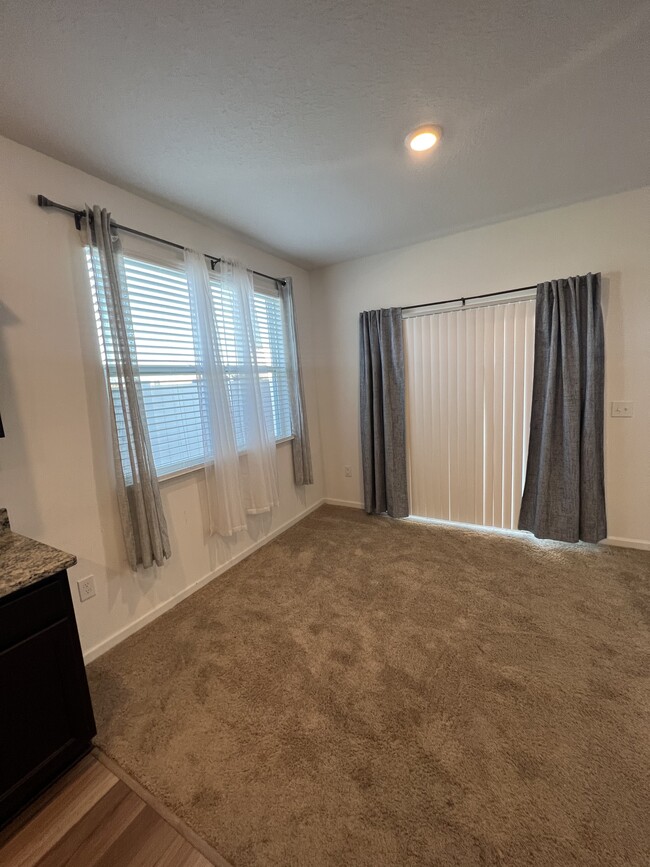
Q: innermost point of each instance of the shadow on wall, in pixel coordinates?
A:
(222, 549)
(616, 372)
(14, 460)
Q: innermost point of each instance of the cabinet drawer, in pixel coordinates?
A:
(33, 610)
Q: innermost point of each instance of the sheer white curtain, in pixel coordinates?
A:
(238, 483)
(225, 503)
(469, 380)
(259, 470)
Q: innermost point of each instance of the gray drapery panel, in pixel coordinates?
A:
(564, 494)
(138, 495)
(301, 449)
(383, 413)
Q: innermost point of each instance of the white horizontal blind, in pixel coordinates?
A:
(468, 390)
(164, 340)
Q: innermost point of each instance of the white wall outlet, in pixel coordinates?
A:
(86, 587)
(348, 472)
(622, 409)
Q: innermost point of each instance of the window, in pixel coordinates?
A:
(269, 343)
(164, 340)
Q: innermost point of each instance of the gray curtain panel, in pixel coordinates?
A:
(383, 413)
(564, 494)
(302, 465)
(143, 520)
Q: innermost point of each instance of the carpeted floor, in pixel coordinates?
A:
(364, 691)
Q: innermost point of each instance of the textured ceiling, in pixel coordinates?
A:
(284, 119)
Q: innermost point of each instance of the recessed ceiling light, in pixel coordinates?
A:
(423, 138)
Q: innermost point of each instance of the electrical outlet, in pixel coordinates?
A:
(622, 409)
(86, 587)
(348, 472)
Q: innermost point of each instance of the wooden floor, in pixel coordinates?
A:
(91, 818)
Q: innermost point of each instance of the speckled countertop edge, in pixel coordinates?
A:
(24, 561)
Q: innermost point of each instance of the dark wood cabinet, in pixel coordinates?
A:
(46, 717)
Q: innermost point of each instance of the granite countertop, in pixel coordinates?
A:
(24, 561)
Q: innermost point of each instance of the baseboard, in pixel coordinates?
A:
(622, 542)
(170, 603)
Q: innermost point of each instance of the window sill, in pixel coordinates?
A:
(166, 477)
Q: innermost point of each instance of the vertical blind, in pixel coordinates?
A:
(469, 375)
(165, 346)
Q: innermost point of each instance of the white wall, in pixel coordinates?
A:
(611, 235)
(55, 473)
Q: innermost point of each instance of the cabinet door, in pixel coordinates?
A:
(46, 721)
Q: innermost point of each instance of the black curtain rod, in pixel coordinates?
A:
(44, 202)
(471, 297)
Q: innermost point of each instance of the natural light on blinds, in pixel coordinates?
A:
(469, 376)
(164, 340)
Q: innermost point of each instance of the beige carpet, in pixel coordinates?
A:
(364, 691)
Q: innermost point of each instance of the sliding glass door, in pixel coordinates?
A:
(469, 375)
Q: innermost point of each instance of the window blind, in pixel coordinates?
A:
(469, 380)
(164, 340)
(270, 353)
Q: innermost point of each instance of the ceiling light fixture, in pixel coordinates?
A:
(423, 138)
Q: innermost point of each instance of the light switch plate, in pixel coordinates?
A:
(622, 409)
